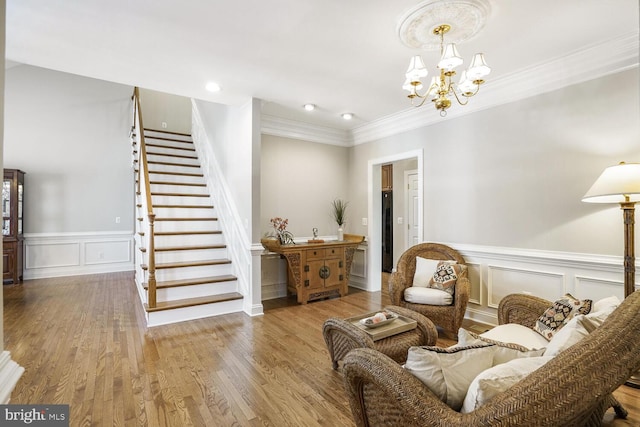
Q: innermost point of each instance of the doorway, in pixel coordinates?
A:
(374, 211)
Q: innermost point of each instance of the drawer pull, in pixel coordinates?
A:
(340, 264)
(341, 277)
(306, 268)
(306, 283)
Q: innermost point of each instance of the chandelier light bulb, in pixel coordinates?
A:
(465, 85)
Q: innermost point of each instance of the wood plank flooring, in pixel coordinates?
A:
(83, 342)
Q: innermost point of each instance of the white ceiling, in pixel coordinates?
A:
(342, 55)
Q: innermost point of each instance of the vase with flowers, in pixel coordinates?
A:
(339, 213)
(280, 230)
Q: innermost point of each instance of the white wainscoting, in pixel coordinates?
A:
(495, 272)
(72, 254)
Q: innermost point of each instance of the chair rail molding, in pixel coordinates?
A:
(498, 271)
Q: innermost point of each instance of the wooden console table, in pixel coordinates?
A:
(317, 270)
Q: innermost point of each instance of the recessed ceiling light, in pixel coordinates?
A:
(347, 116)
(213, 87)
(309, 107)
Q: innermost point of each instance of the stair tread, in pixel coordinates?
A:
(204, 218)
(188, 184)
(189, 282)
(189, 302)
(179, 194)
(179, 233)
(169, 132)
(189, 248)
(156, 162)
(199, 175)
(184, 264)
(185, 206)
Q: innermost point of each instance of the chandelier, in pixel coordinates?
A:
(442, 88)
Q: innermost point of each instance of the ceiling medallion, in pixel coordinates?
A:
(465, 17)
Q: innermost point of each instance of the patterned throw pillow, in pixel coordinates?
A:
(556, 316)
(446, 276)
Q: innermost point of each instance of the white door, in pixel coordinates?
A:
(412, 208)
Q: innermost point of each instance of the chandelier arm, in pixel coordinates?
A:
(423, 100)
(453, 91)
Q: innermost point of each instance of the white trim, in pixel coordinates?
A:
(10, 373)
(287, 128)
(588, 63)
(374, 215)
(73, 254)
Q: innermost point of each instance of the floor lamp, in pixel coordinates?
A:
(621, 184)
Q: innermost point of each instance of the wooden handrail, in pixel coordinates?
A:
(151, 296)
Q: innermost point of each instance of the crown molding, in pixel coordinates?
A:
(287, 128)
(589, 63)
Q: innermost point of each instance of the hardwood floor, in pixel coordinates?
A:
(83, 342)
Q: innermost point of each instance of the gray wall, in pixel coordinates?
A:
(513, 176)
(159, 107)
(70, 135)
(299, 180)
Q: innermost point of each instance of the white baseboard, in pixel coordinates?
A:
(10, 373)
(73, 254)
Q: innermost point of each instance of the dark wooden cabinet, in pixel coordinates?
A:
(12, 225)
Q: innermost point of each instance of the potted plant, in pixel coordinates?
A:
(340, 215)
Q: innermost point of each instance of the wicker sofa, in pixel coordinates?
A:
(572, 389)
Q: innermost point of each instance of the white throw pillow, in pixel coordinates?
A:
(576, 329)
(516, 334)
(504, 352)
(425, 268)
(420, 295)
(449, 371)
(498, 379)
(606, 304)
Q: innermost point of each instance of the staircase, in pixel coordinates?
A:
(194, 277)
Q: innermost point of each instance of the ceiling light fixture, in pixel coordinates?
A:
(213, 87)
(442, 87)
(309, 107)
(347, 116)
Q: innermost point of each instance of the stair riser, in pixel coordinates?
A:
(180, 200)
(190, 239)
(157, 158)
(183, 226)
(190, 313)
(190, 255)
(184, 212)
(177, 151)
(176, 178)
(192, 272)
(194, 291)
(182, 189)
(173, 168)
(155, 137)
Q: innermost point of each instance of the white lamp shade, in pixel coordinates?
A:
(616, 184)
(450, 57)
(465, 85)
(416, 69)
(478, 68)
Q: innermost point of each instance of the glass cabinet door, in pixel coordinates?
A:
(6, 207)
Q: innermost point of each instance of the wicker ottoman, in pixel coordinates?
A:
(343, 336)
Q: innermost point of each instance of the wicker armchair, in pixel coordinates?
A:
(449, 317)
(572, 389)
